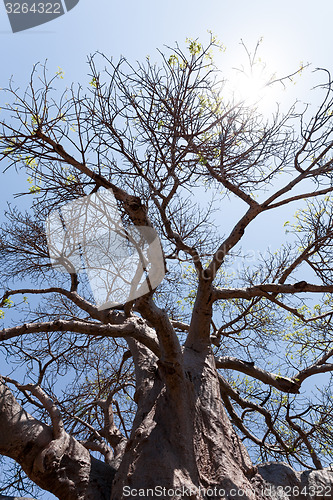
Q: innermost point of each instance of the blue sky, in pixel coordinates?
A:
(292, 31)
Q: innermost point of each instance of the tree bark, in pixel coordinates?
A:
(279, 481)
(200, 457)
(174, 451)
(196, 455)
(65, 468)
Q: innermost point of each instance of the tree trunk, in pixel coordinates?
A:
(182, 446)
(186, 446)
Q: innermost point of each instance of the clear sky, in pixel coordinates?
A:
(292, 31)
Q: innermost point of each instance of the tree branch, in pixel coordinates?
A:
(72, 295)
(24, 439)
(248, 293)
(132, 204)
(284, 384)
(134, 328)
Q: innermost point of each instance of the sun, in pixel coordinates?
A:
(251, 87)
(252, 82)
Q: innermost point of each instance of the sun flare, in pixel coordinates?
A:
(254, 88)
(251, 87)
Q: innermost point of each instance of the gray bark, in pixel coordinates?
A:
(181, 437)
(173, 449)
(65, 468)
(278, 481)
(206, 452)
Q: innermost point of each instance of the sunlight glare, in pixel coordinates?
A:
(254, 88)
(251, 88)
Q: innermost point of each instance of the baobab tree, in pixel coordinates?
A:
(196, 388)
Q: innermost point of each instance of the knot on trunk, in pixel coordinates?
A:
(50, 457)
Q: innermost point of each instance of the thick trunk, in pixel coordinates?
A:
(183, 453)
(201, 458)
(179, 448)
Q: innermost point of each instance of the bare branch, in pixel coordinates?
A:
(284, 384)
(130, 329)
(261, 290)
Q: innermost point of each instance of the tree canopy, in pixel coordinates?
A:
(225, 345)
